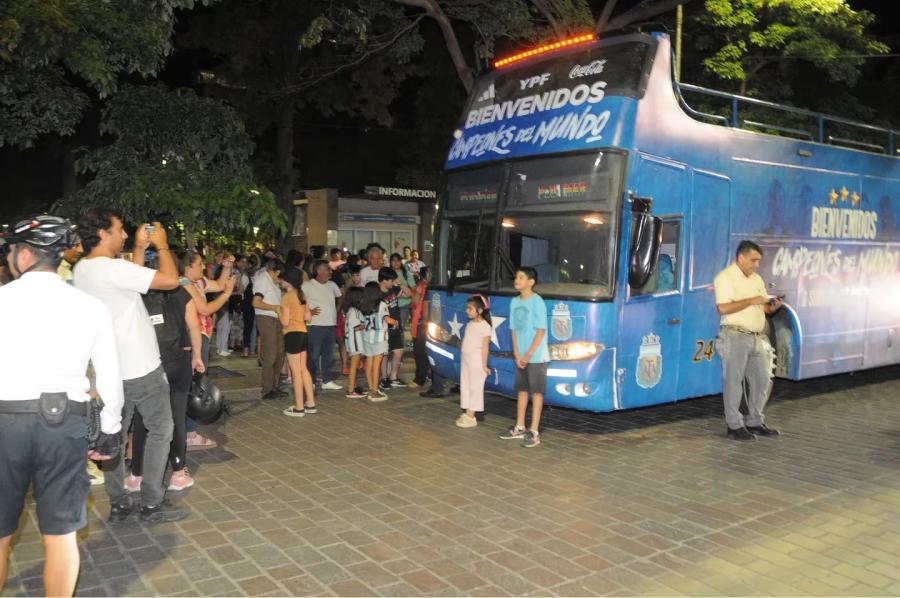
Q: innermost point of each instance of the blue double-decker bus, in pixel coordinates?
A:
(583, 161)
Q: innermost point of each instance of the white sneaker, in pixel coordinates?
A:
(224, 353)
(331, 386)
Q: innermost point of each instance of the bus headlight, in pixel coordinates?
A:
(437, 333)
(574, 351)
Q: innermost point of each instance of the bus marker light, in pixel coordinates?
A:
(507, 223)
(564, 389)
(593, 219)
(563, 43)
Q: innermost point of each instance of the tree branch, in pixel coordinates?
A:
(312, 82)
(605, 15)
(643, 12)
(434, 10)
(544, 9)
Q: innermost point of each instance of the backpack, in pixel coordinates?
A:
(167, 317)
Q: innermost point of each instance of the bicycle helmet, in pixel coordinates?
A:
(43, 231)
(52, 234)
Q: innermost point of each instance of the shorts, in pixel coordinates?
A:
(295, 342)
(373, 349)
(533, 379)
(51, 458)
(395, 339)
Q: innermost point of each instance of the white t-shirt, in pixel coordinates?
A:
(119, 284)
(271, 294)
(367, 275)
(52, 330)
(322, 296)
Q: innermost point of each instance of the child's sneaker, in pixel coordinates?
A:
(532, 438)
(294, 412)
(466, 421)
(385, 384)
(181, 480)
(355, 394)
(514, 433)
(133, 483)
(398, 383)
(345, 371)
(310, 409)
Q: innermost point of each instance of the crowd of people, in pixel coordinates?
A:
(145, 326)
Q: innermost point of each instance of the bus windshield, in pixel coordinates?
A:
(557, 215)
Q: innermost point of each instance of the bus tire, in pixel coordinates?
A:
(784, 344)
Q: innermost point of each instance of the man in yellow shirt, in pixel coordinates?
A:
(743, 346)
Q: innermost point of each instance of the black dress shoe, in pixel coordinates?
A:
(763, 430)
(741, 433)
(270, 396)
(454, 389)
(430, 394)
(280, 393)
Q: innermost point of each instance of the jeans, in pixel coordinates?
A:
(249, 326)
(149, 396)
(744, 357)
(321, 345)
(421, 356)
(179, 373)
(223, 328)
(271, 352)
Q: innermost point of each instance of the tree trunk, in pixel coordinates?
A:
(189, 238)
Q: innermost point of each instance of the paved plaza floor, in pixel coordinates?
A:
(392, 499)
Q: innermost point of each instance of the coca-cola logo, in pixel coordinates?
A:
(586, 70)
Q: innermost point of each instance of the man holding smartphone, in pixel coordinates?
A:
(743, 346)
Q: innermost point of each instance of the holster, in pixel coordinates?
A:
(54, 407)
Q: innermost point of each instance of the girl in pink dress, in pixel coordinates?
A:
(474, 354)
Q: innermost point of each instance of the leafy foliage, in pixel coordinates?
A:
(52, 52)
(745, 41)
(180, 158)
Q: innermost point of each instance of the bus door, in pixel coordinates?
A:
(650, 337)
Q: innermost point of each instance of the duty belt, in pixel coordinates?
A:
(741, 329)
(34, 406)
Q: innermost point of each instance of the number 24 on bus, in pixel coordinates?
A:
(583, 160)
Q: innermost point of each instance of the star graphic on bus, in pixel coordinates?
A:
(495, 324)
(455, 326)
(855, 199)
(832, 197)
(844, 193)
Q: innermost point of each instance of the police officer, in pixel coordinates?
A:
(52, 331)
(743, 346)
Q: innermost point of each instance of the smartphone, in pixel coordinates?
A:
(150, 229)
(776, 298)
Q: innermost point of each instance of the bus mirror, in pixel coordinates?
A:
(646, 238)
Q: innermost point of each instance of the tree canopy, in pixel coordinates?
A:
(180, 158)
(53, 53)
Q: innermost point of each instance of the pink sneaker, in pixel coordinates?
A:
(133, 483)
(181, 480)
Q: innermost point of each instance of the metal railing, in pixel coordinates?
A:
(821, 120)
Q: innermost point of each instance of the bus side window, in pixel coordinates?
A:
(665, 274)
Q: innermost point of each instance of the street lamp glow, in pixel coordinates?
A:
(254, 191)
(255, 230)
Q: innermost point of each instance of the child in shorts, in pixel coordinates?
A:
(354, 326)
(375, 337)
(528, 325)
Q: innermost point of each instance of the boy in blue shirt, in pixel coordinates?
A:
(528, 324)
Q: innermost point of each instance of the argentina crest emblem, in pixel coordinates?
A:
(435, 309)
(649, 362)
(561, 322)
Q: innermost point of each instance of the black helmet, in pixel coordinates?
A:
(205, 401)
(43, 231)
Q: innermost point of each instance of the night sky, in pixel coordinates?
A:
(348, 152)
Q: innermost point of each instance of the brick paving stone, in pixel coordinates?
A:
(648, 502)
